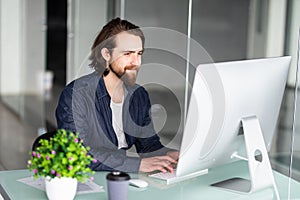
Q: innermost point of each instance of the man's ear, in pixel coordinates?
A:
(105, 54)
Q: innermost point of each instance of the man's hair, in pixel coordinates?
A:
(106, 39)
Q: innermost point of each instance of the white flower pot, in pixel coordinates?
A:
(63, 188)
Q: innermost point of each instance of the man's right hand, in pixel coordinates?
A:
(160, 163)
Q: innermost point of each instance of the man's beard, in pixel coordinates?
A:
(128, 76)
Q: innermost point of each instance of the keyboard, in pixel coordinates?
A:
(170, 178)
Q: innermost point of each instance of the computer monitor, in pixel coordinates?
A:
(232, 115)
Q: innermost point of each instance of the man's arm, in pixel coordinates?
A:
(109, 160)
(155, 155)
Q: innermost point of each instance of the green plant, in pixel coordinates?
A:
(63, 155)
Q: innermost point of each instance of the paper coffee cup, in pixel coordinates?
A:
(117, 185)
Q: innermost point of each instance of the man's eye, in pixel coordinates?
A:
(141, 53)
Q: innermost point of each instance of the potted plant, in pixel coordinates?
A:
(62, 160)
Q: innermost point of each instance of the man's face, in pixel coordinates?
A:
(126, 57)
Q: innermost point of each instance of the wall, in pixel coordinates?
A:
(22, 45)
(293, 35)
(85, 19)
(11, 46)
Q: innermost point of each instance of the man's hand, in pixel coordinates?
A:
(161, 163)
(173, 154)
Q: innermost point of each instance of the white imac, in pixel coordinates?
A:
(232, 115)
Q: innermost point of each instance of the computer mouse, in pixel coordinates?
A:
(138, 183)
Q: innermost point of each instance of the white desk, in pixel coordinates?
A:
(197, 188)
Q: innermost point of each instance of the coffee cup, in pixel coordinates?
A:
(117, 185)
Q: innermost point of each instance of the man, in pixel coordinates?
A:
(109, 110)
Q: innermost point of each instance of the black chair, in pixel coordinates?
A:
(46, 136)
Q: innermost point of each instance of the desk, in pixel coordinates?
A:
(196, 188)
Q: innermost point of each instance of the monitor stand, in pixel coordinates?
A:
(260, 170)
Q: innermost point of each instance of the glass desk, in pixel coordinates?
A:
(196, 188)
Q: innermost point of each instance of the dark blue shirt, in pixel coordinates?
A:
(84, 107)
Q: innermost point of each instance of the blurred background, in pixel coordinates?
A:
(44, 44)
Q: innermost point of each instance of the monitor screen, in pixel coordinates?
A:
(222, 95)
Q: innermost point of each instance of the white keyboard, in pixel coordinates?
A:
(172, 178)
(164, 176)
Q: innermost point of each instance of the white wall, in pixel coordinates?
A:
(293, 34)
(85, 20)
(11, 46)
(266, 34)
(276, 28)
(22, 45)
(34, 30)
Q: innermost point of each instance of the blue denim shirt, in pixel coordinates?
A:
(84, 107)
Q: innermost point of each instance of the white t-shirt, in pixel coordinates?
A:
(117, 123)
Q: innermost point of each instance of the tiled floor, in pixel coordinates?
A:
(18, 133)
(16, 139)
